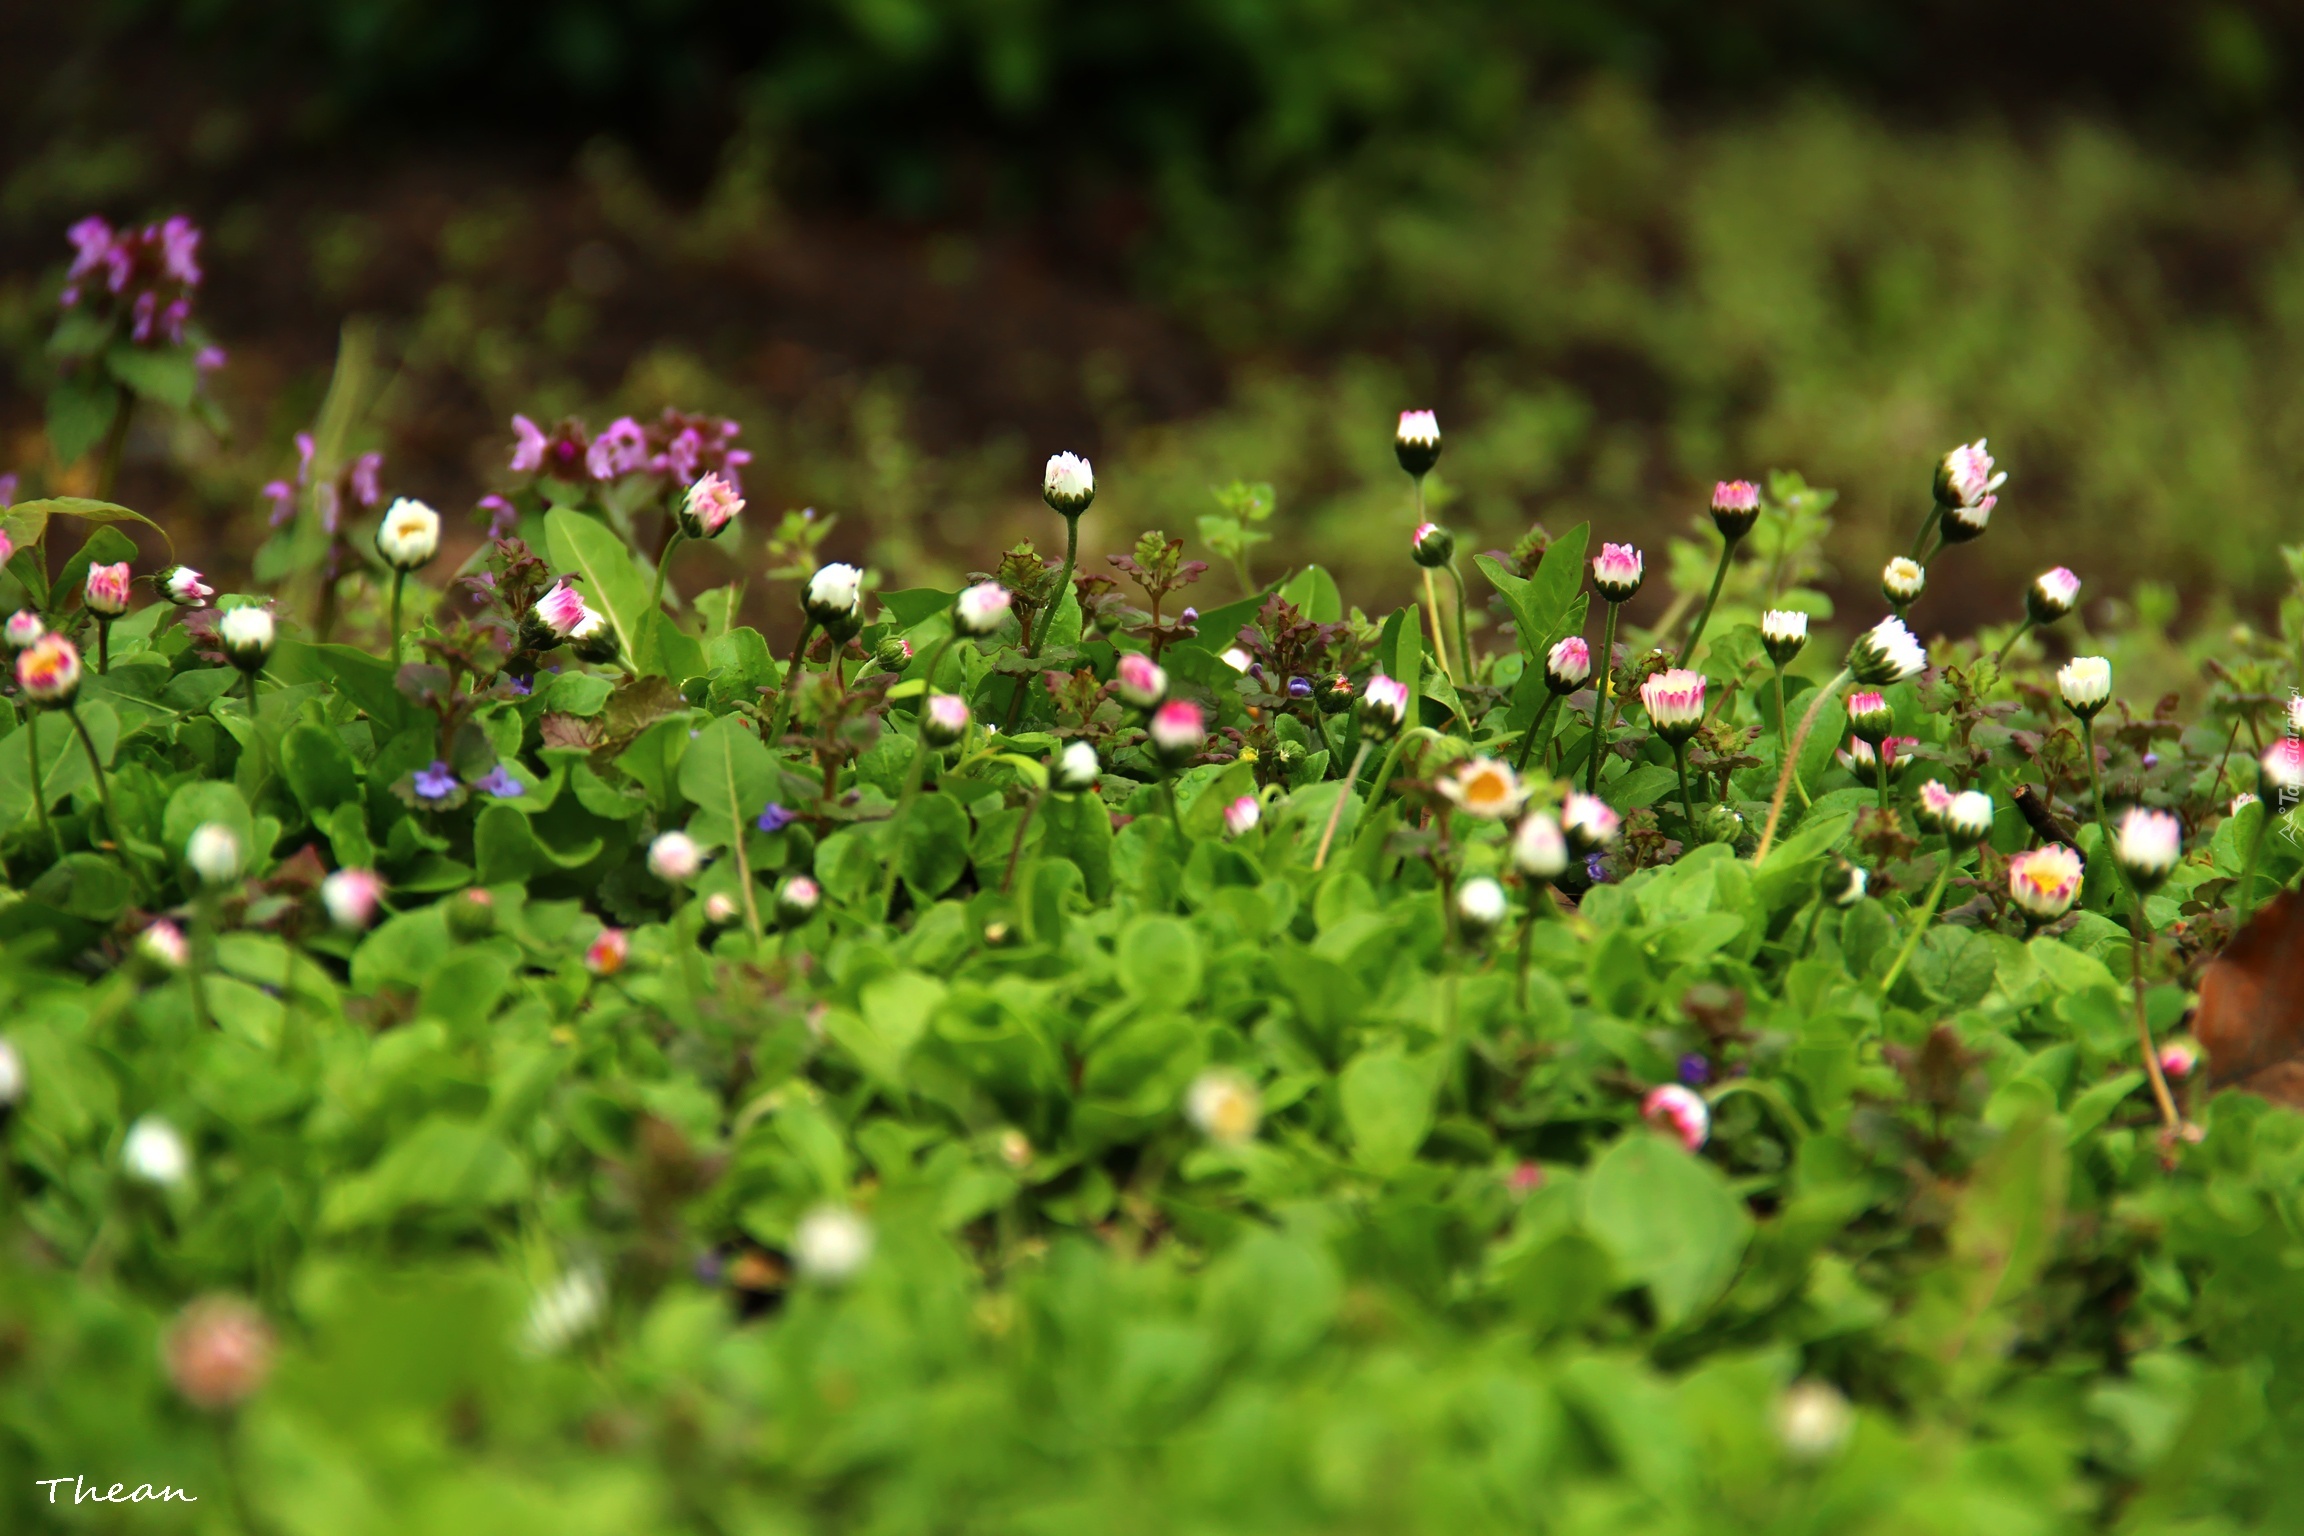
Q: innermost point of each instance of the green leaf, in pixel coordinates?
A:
(86, 885)
(63, 767)
(368, 681)
(80, 412)
(577, 693)
(167, 375)
(1669, 1221)
(443, 1164)
(1160, 960)
(589, 549)
(105, 544)
(27, 521)
(504, 847)
(1387, 1101)
(203, 801)
(1314, 591)
(728, 776)
(1791, 867)
(319, 768)
(932, 844)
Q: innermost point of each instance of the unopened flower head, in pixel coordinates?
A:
(1902, 581)
(709, 506)
(1068, 484)
(1886, 653)
(2148, 844)
(409, 536)
(351, 897)
(1334, 694)
(944, 720)
(1735, 508)
(1568, 665)
(674, 858)
(1965, 477)
(214, 852)
(721, 910)
(797, 900)
(1962, 524)
(2178, 1058)
(1077, 769)
(1235, 658)
(1484, 787)
(1843, 884)
(2086, 684)
(1480, 907)
(472, 913)
(154, 1153)
(1383, 708)
(565, 1311)
(246, 635)
(1242, 815)
(1813, 1421)
(1783, 634)
(2043, 881)
(1617, 572)
(1968, 819)
(1416, 442)
(1432, 545)
(11, 1076)
(1680, 1111)
(1539, 847)
(48, 670)
(163, 945)
(2241, 802)
(1891, 758)
(835, 595)
(1929, 805)
(106, 590)
(1674, 699)
(594, 638)
(981, 609)
(1178, 731)
(219, 1352)
(2282, 765)
(559, 611)
(1589, 822)
(2052, 595)
(831, 1245)
(21, 629)
(183, 587)
(606, 954)
(1224, 1106)
(1870, 716)
(893, 654)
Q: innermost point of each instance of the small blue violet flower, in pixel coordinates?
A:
(775, 818)
(1695, 1069)
(501, 784)
(435, 782)
(1299, 687)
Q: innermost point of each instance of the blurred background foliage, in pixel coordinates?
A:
(1624, 248)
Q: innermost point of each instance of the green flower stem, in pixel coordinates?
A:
(1336, 811)
(1539, 897)
(399, 580)
(1392, 761)
(1327, 743)
(1815, 921)
(2096, 790)
(103, 788)
(2248, 874)
(1602, 698)
(1927, 912)
(1687, 802)
(1880, 772)
(1063, 585)
(1704, 614)
(1792, 758)
(39, 779)
(2000, 656)
(103, 643)
(2143, 933)
(1927, 527)
(1528, 737)
(918, 770)
(1439, 640)
(1463, 635)
(1168, 793)
(1797, 787)
(663, 563)
(1016, 848)
(784, 696)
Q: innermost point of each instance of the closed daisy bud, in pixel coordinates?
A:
(1886, 653)
(218, 1352)
(1783, 634)
(1077, 769)
(1813, 1421)
(1930, 804)
(213, 851)
(1224, 1106)
(1334, 694)
(154, 1153)
(1432, 545)
(1870, 716)
(1588, 822)
(162, 945)
(2043, 881)
(2177, 1059)
(2148, 844)
(2241, 802)
(1178, 732)
(184, 588)
(1843, 884)
(351, 897)
(1242, 815)
(674, 858)
(471, 914)
(1961, 524)
(1965, 476)
(1485, 788)
(106, 591)
(1568, 665)
(1968, 820)
(981, 609)
(2282, 765)
(1902, 582)
(945, 720)
(894, 654)
(2086, 684)
(1383, 708)
(797, 900)
(1480, 907)
(1674, 699)
(558, 612)
(246, 636)
(721, 910)
(594, 639)
(605, 956)
(565, 1311)
(1867, 764)
(1068, 484)
(835, 596)
(2052, 595)
(708, 507)
(22, 628)
(1539, 847)
(831, 1245)
(1416, 442)
(1139, 680)
(1735, 508)
(1680, 1111)
(1617, 572)
(409, 536)
(48, 670)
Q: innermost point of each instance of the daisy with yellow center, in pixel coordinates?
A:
(1486, 788)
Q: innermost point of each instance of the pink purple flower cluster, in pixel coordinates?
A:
(678, 446)
(359, 483)
(148, 274)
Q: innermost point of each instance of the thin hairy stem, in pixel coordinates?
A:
(39, 778)
(1336, 811)
(1528, 737)
(1063, 585)
(1463, 636)
(656, 586)
(1792, 757)
(1602, 699)
(1704, 614)
(2166, 1100)
(1439, 640)
(1927, 912)
(1687, 803)
(2001, 655)
(784, 696)
(399, 580)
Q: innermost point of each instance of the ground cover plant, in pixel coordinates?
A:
(501, 1048)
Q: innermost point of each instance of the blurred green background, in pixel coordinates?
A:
(1624, 249)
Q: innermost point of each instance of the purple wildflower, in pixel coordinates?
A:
(1596, 869)
(1299, 687)
(619, 451)
(2151, 759)
(7, 489)
(435, 782)
(501, 784)
(282, 495)
(527, 447)
(775, 818)
(1695, 1069)
(365, 479)
(501, 513)
(521, 687)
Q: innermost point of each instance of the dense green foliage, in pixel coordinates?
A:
(1103, 1158)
